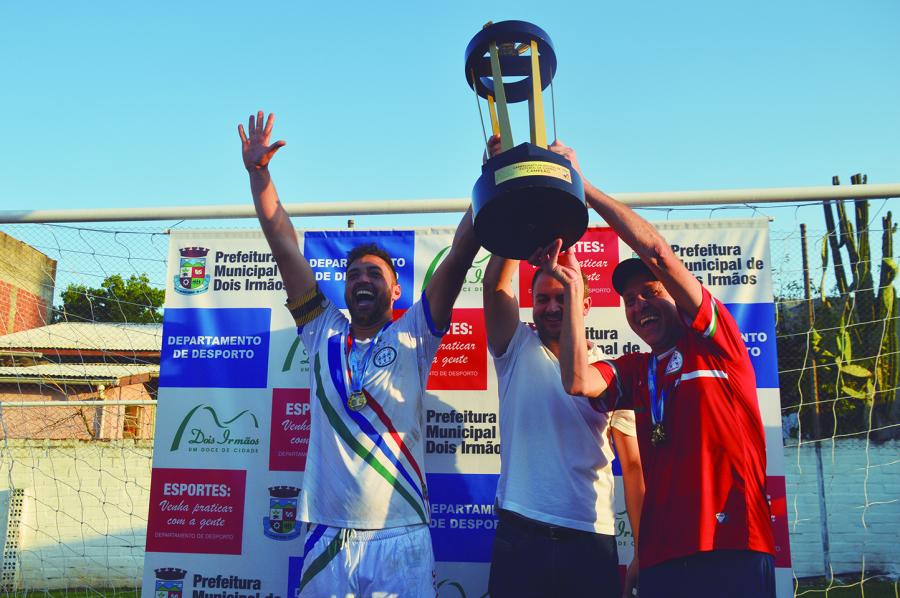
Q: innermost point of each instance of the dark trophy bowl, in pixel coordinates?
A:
(527, 196)
(518, 215)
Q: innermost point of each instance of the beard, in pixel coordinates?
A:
(380, 308)
(544, 333)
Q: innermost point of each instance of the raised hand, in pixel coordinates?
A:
(255, 147)
(493, 147)
(561, 265)
(568, 153)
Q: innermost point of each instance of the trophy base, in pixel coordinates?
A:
(524, 199)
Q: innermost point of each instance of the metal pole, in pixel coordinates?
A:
(817, 431)
(425, 206)
(91, 403)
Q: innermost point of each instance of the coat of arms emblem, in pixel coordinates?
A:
(169, 582)
(281, 524)
(192, 277)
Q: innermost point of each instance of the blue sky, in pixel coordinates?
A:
(112, 104)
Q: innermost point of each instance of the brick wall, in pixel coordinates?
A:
(27, 279)
(72, 422)
(20, 310)
(862, 495)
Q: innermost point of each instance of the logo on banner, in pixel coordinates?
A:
(474, 276)
(169, 582)
(624, 535)
(296, 352)
(281, 524)
(216, 435)
(192, 278)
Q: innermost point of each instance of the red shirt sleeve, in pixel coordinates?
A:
(715, 324)
(617, 374)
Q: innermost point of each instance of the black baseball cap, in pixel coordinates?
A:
(628, 268)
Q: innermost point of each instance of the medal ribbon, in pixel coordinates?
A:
(357, 370)
(657, 407)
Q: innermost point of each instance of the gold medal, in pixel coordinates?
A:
(657, 434)
(357, 400)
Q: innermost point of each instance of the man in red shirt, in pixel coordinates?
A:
(706, 525)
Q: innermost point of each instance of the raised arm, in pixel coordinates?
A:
(644, 239)
(296, 274)
(501, 308)
(444, 286)
(578, 376)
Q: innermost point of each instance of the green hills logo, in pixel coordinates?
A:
(298, 352)
(202, 430)
(475, 276)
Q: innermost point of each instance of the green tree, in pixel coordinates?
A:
(115, 300)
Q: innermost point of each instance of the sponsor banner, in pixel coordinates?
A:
(770, 412)
(624, 535)
(188, 577)
(215, 348)
(462, 516)
(462, 432)
(295, 569)
(233, 429)
(326, 252)
(207, 268)
(289, 435)
(730, 257)
(756, 322)
(598, 254)
(288, 359)
(461, 359)
(432, 248)
(197, 428)
(462, 580)
(196, 510)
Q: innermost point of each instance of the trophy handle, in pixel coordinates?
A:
(536, 101)
(506, 140)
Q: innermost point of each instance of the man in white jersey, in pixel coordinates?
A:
(556, 535)
(364, 490)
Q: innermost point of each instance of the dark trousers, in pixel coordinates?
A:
(536, 560)
(719, 573)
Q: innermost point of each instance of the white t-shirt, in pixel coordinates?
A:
(364, 468)
(554, 452)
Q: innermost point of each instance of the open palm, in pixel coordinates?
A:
(255, 146)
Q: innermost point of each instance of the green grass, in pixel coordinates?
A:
(847, 588)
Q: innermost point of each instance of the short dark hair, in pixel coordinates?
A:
(584, 279)
(370, 249)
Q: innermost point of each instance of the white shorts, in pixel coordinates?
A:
(387, 563)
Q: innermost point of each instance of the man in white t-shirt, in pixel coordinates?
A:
(556, 535)
(364, 492)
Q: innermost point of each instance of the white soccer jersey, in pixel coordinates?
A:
(555, 455)
(364, 468)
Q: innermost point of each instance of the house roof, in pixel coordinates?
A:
(73, 372)
(86, 336)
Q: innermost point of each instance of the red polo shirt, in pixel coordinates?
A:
(706, 483)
